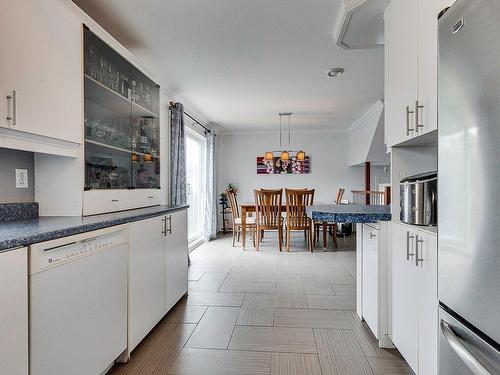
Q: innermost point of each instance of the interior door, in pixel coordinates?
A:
(404, 295)
(176, 257)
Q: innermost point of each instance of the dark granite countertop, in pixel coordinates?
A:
(349, 213)
(44, 228)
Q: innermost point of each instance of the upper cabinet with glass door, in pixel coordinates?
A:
(121, 121)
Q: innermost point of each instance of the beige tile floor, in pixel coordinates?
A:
(266, 312)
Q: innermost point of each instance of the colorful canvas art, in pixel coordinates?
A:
(278, 166)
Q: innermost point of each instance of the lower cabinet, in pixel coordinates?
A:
(146, 278)
(176, 257)
(374, 281)
(158, 266)
(14, 312)
(414, 303)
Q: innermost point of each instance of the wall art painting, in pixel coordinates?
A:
(278, 166)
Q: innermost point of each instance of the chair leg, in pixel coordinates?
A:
(309, 232)
(287, 240)
(305, 234)
(234, 234)
(258, 239)
(261, 235)
(335, 235)
(280, 238)
(239, 233)
(253, 236)
(325, 232)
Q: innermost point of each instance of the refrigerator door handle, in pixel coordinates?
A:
(465, 355)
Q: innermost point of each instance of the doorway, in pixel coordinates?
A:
(195, 186)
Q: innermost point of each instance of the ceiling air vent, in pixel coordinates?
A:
(360, 24)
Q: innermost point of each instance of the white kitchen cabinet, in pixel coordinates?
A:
(100, 201)
(40, 76)
(14, 312)
(427, 66)
(400, 69)
(414, 304)
(411, 63)
(146, 278)
(158, 267)
(370, 277)
(176, 257)
(404, 294)
(374, 280)
(427, 303)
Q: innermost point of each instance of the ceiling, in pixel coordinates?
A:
(238, 63)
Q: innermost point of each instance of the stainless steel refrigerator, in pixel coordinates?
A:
(469, 188)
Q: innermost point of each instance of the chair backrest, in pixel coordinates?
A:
(268, 207)
(340, 195)
(233, 203)
(296, 202)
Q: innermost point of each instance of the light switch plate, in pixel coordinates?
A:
(21, 178)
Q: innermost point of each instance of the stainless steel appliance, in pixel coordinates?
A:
(469, 188)
(418, 196)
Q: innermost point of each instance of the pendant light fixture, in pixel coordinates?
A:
(285, 155)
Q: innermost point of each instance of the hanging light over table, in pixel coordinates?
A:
(285, 154)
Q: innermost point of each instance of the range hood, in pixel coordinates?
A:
(360, 24)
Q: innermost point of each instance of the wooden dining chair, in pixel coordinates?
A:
(296, 217)
(268, 214)
(327, 226)
(235, 213)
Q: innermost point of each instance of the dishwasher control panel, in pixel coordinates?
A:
(43, 258)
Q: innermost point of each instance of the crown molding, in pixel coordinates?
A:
(272, 132)
(379, 104)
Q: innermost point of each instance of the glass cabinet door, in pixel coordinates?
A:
(122, 133)
(145, 152)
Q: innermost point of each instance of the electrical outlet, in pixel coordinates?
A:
(21, 178)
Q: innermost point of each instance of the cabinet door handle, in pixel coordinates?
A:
(151, 196)
(169, 218)
(115, 200)
(12, 116)
(408, 112)
(408, 238)
(417, 242)
(372, 236)
(164, 230)
(417, 117)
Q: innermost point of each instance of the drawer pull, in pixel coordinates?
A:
(372, 236)
(115, 200)
(151, 196)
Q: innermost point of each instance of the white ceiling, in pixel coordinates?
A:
(240, 62)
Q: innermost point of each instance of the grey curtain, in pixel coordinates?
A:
(210, 231)
(177, 156)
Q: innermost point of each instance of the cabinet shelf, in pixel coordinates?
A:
(100, 94)
(100, 144)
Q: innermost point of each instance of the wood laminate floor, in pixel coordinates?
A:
(266, 312)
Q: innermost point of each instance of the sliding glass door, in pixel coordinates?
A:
(195, 184)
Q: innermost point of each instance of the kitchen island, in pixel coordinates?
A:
(371, 259)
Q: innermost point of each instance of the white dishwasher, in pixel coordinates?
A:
(78, 302)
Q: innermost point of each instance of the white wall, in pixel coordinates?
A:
(328, 154)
